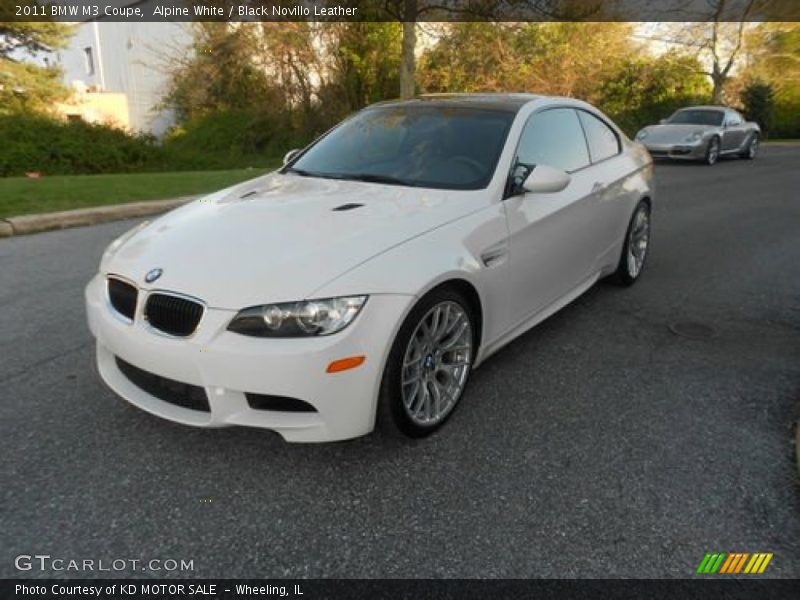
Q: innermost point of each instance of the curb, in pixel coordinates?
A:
(13, 226)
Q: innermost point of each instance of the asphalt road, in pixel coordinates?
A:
(600, 444)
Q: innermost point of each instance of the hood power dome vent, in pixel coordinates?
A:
(349, 206)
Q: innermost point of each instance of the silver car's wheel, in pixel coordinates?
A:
(637, 243)
(752, 147)
(712, 152)
(436, 364)
(638, 240)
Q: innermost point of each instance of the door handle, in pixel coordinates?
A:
(598, 187)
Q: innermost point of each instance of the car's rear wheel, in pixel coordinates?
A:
(751, 150)
(637, 243)
(712, 151)
(429, 365)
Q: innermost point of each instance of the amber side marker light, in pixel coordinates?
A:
(344, 364)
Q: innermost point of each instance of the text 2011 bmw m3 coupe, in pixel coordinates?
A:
(365, 279)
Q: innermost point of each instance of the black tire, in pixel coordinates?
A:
(712, 151)
(751, 150)
(392, 417)
(625, 274)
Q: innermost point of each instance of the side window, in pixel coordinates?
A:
(554, 137)
(88, 57)
(734, 119)
(603, 142)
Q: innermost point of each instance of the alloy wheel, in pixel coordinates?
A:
(436, 363)
(638, 241)
(713, 151)
(753, 148)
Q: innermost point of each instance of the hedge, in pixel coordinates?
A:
(35, 143)
(223, 141)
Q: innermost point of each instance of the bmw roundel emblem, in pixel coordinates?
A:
(152, 275)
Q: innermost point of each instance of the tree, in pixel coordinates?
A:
(716, 42)
(33, 38)
(218, 73)
(550, 58)
(364, 62)
(774, 52)
(644, 88)
(410, 12)
(774, 59)
(25, 86)
(758, 99)
(264, 85)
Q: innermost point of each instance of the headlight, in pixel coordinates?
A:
(694, 137)
(307, 318)
(641, 135)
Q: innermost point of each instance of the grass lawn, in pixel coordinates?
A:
(22, 196)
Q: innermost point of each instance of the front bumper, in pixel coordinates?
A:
(228, 365)
(694, 151)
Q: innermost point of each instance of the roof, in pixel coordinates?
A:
(705, 107)
(502, 102)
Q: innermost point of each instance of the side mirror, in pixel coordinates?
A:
(290, 155)
(662, 121)
(546, 180)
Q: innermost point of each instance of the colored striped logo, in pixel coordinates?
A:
(734, 562)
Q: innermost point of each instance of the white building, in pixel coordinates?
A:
(122, 66)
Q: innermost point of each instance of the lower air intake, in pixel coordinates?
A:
(180, 394)
(278, 403)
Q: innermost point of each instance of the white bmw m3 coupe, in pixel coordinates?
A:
(364, 280)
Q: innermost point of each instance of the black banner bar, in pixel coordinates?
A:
(399, 10)
(376, 589)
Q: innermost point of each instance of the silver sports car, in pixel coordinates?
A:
(702, 133)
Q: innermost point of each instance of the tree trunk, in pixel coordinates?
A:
(408, 60)
(718, 89)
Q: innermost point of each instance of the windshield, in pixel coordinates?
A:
(442, 147)
(697, 117)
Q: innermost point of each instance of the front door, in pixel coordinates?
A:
(553, 244)
(734, 134)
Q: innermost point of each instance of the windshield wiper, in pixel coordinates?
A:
(368, 177)
(302, 172)
(375, 178)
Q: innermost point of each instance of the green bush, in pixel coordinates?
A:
(644, 90)
(37, 143)
(758, 98)
(225, 140)
(786, 117)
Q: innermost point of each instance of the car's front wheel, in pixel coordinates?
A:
(712, 151)
(429, 364)
(637, 243)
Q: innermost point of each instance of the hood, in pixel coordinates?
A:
(673, 134)
(277, 238)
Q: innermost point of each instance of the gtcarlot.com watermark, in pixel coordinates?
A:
(46, 562)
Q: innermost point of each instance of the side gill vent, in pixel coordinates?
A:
(348, 206)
